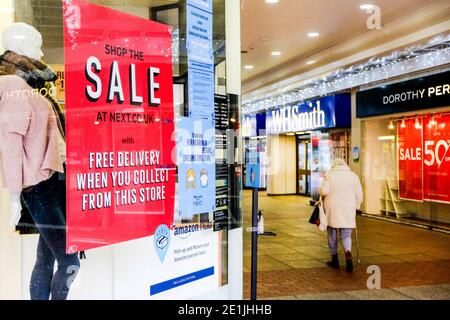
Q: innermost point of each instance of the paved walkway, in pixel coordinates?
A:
(414, 262)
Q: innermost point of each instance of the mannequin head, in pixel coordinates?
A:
(23, 39)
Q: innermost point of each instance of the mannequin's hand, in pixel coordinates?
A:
(16, 210)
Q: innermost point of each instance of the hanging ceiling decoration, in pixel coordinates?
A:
(420, 57)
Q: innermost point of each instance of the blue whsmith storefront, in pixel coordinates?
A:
(299, 141)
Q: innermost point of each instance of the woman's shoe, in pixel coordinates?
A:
(349, 261)
(334, 261)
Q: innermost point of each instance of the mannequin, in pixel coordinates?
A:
(33, 152)
(23, 39)
(16, 38)
(23, 52)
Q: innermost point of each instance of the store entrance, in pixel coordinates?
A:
(304, 156)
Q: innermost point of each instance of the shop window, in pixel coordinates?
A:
(405, 173)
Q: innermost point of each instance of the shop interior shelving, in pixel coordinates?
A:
(391, 204)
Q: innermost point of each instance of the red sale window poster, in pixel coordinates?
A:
(410, 160)
(120, 122)
(437, 158)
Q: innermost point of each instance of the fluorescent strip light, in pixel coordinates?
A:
(384, 138)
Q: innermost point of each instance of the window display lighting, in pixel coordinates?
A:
(433, 121)
(420, 57)
(417, 125)
(403, 124)
(391, 125)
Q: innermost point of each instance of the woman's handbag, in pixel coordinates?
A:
(318, 216)
(323, 221)
(314, 219)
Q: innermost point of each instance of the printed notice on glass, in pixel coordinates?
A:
(199, 44)
(196, 167)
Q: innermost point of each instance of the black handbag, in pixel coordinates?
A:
(315, 216)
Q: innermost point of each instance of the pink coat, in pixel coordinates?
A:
(343, 195)
(28, 135)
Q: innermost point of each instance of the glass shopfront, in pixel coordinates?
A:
(405, 154)
(310, 136)
(120, 77)
(332, 144)
(304, 158)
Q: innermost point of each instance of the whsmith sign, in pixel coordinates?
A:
(328, 112)
(417, 94)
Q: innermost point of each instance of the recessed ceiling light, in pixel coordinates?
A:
(311, 62)
(248, 67)
(272, 1)
(366, 6)
(313, 34)
(276, 53)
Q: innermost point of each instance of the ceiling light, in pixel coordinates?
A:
(272, 1)
(391, 125)
(311, 62)
(403, 125)
(366, 6)
(313, 34)
(290, 134)
(417, 125)
(276, 53)
(249, 67)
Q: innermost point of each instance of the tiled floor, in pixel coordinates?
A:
(414, 262)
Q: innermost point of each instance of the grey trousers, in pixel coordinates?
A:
(345, 236)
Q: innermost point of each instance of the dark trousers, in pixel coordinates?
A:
(47, 205)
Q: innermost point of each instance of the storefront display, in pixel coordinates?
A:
(120, 82)
(406, 154)
(424, 158)
(318, 132)
(33, 140)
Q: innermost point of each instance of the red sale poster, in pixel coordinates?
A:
(120, 123)
(437, 158)
(410, 160)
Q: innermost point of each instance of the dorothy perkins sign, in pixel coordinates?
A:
(421, 93)
(328, 112)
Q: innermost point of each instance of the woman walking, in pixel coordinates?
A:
(343, 195)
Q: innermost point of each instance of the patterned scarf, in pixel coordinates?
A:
(34, 72)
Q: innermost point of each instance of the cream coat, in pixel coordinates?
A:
(343, 195)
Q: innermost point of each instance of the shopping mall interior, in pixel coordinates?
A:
(276, 104)
(299, 62)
